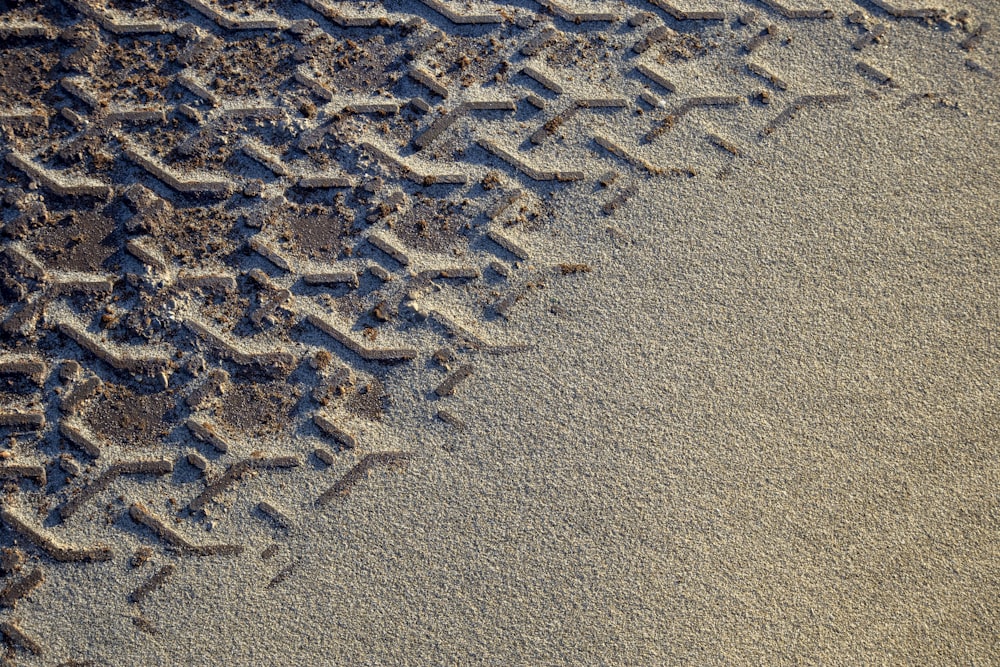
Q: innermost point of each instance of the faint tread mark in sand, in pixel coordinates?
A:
(615, 149)
(979, 67)
(446, 120)
(80, 393)
(976, 36)
(450, 418)
(656, 77)
(908, 12)
(57, 550)
(652, 38)
(350, 20)
(544, 78)
(550, 127)
(206, 432)
(577, 17)
(767, 75)
(230, 350)
(11, 629)
(157, 467)
(505, 203)
(553, 125)
(232, 22)
(343, 486)
(152, 584)
(688, 105)
(145, 625)
(545, 38)
(871, 36)
(796, 13)
(32, 420)
(451, 273)
(365, 352)
(325, 455)
(200, 184)
(85, 442)
(528, 170)
(444, 10)
(345, 439)
(20, 588)
(15, 471)
(282, 574)
(236, 471)
(390, 247)
(725, 144)
(276, 514)
(689, 15)
(764, 36)
(450, 383)
(140, 514)
(115, 25)
(798, 104)
(60, 184)
(470, 339)
(938, 98)
(411, 171)
(146, 364)
(503, 305)
(874, 73)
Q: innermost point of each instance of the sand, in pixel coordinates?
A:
(762, 428)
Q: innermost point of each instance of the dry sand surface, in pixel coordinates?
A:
(722, 391)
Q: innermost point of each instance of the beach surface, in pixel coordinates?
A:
(721, 391)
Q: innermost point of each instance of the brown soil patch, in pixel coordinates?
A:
(78, 242)
(432, 224)
(356, 66)
(321, 234)
(130, 418)
(255, 409)
(24, 76)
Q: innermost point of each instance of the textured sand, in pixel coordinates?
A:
(762, 430)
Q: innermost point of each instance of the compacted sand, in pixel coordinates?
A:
(419, 333)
